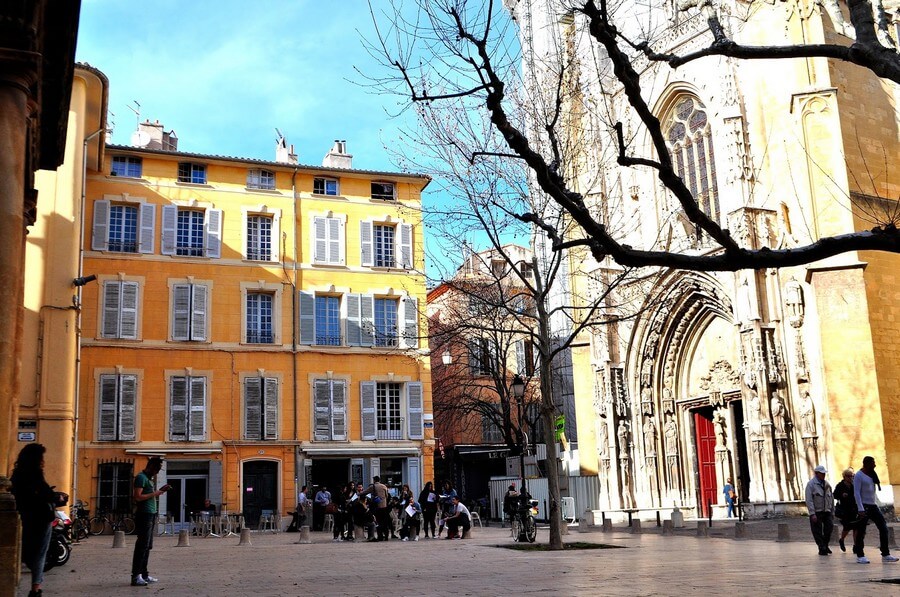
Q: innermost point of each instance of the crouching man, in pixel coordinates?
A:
(458, 517)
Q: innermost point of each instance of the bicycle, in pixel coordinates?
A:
(80, 521)
(522, 521)
(114, 521)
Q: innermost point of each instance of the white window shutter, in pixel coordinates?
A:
(214, 233)
(148, 227)
(367, 319)
(404, 248)
(111, 309)
(129, 301)
(414, 476)
(100, 232)
(354, 322)
(338, 410)
(275, 240)
(322, 398)
(342, 244)
(366, 250)
(414, 409)
(178, 409)
(199, 304)
(252, 408)
(169, 229)
(411, 322)
(181, 311)
(127, 407)
(108, 408)
(367, 409)
(198, 409)
(320, 240)
(270, 407)
(307, 318)
(334, 241)
(520, 357)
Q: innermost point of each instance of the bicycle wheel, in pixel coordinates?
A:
(516, 529)
(97, 525)
(80, 529)
(530, 530)
(127, 525)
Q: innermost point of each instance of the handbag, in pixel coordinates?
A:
(331, 508)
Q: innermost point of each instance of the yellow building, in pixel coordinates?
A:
(254, 322)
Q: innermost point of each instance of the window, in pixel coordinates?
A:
(259, 318)
(330, 407)
(498, 269)
(187, 408)
(120, 306)
(189, 312)
(490, 431)
(689, 136)
(481, 356)
(114, 486)
(123, 227)
(118, 397)
(328, 240)
(325, 186)
(192, 173)
(257, 178)
(386, 245)
(386, 322)
(126, 166)
(383, 190)
(381, 414)
(387, 411)
(259, 238)
(191, 232)
(328, 320)
(260, 408)
(525, 358)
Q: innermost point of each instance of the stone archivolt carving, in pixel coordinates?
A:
(779, 416)
(670, 433)
(623, 434)
(721, 377)
(650, 437)
(602, 438)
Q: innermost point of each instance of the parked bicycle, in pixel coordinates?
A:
(80, 521)
(112, 522)
(522, 521)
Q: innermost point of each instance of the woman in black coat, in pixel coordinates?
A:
(846, 510)
(36, 502)
(428, 502)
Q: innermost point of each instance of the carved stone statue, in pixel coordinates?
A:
(623, 434)
(793, 303)
(670, 431)
(668, 400)
(647, 401)
(720, 425)
(603, 438)
(646, 371)
(754, 416)
(778, 416)
(650, 437)
(807, 416)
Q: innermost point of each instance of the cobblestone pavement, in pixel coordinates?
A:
(650, 564)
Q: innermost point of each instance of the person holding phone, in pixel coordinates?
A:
(146, 499)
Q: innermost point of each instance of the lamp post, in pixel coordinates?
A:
(446, 357)
(518, 390)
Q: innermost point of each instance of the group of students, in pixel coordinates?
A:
(853, 502)
(376, 508)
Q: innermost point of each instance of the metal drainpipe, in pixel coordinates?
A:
(294, 298)
(77, 397)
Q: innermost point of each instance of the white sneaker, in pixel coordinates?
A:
(889, 558)
(151, 579)
(416, 538)
(406, 538)
(336, 539)
(138, 581)
(862, 560)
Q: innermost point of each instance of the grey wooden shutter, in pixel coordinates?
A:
(111, 310)
(335, 241)
(252, 408)
(198, 409)
(178, 409)
(199, 303)
(100, 231)
(127, 407)
(128, 317)
(520, 357)
(307, 318)
(474, 356)
(169, 229)
(354, 320)
(367, 409)
(404, 247)
(367, 319)
(181, 311)
(214, 233)
(320, 240)
(414, 476)
(148, 227)
(366, 248)
(322, 405)
(338, 410)
(108, 408)
(411, 322)
(414, 408)
(270, 407)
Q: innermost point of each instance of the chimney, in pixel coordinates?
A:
(338, 156)
(282, 153)
(150, 135)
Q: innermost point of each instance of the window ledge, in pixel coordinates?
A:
(196, 185)
(389, 269)
(326, 196)
(330, 265)
(267, 191)
(117, 177)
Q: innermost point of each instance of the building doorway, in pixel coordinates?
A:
(743, 480)
(260, 490)
(705, 436)
(333, 473)
(185, 496)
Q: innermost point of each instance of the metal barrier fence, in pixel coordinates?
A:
(584, 489)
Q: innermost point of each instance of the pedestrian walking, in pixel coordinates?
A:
(864, 483)
(381, 500)
(845, 508)
(428, 501)
(146, 499)
(730, 496)
(320, 502)
(820, 504)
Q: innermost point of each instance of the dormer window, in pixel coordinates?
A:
(384, 191)
(257, 178)
(126, 166)
(192, 173)
(325, 186)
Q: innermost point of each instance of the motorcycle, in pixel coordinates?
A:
(60, 541)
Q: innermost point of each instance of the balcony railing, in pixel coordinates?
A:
(328, 339)
(257, 337)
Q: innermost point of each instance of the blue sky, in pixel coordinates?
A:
(223, 74)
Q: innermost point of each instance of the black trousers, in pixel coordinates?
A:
(383, 518)
(873, 513)
(822, 528)
(144, 528)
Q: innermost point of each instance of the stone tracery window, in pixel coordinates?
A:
(689, 136)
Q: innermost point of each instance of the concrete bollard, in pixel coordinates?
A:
(184, 539)
(245, 537)
(636, 526)
(891, 541)
(667, 528)
(563, 528)
(118, 539)
(304, 535)
(359, 533)
(467, 534)
(677, 519)
(583, 526)
(702, 528)
(740, 530)
(784, 532)
(607, 525)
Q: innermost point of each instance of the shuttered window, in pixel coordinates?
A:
(187, 408)
(189, 312)
(123, 228)
(260, 408)
(330, 408)
(120, 310)
(260, 238)
(191, 232)
(118, 399)
(328, 240)
(386, 245)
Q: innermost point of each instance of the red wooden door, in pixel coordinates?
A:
(706, 459)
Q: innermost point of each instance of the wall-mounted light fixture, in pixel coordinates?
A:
(81, 281)
(447, 358)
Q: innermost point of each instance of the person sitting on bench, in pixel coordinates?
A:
(459, 517)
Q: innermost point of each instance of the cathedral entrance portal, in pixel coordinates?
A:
(705, 437)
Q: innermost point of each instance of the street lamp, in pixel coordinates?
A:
(518, 390)
(446, 357)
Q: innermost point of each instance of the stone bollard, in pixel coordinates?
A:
(118, 539)
(583, 526)
(304, 535)
(740, 530)
(702, 528)
(677, 519)
(607, 525)
(891, 541)
(467, 534)
(636, 526)
(667, 528)
(359, 533)
(184, 539)
(563, 527)
(784, 532)
(245, 537)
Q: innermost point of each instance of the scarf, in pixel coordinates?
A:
(874, 476)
